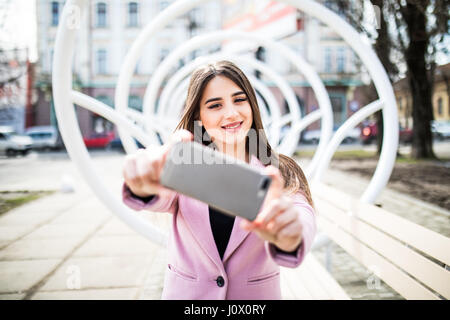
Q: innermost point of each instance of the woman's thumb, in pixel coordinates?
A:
(177, 136)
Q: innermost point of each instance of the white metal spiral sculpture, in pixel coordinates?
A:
(160, 122)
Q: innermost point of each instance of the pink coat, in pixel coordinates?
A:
(250, 266)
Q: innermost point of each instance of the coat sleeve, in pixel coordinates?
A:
(167, 201)
(307, 218)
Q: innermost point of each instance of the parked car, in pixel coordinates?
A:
(440, 129)
(405, 134)
(313, 136)
(98, 140)
(12, 143)
(44, 138)
(116, 144)
(369, 133)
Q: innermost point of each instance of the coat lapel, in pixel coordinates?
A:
(196, 215)
(238, 234)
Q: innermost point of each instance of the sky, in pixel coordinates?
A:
(18, 25)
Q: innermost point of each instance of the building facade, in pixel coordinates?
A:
(106, 32)
(109, 27)
(15, 90)
(331, 57)
(440, 97)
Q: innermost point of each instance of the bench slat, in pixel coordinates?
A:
(423, 239)
(391, 274)
(293, 282)
(323, 276)
(426, 271)
(286, 292)
(312, 284)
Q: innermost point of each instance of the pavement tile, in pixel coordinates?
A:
(26, 219)
(73, 216)
(4, 243)
(154, 280)
(99, 272)
(57, 230)
(9, 233)
(21, 275)
(54, 202)
(115, 226)
(26, 249)
(115, 245)
(89, 294)
(12, 296)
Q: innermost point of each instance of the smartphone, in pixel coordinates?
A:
(225, 183)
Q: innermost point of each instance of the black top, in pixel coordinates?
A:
(221, 226)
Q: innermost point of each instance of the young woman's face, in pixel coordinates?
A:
(225, 112)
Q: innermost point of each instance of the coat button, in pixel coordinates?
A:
(220, 281)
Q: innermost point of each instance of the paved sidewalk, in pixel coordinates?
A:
(69, 246)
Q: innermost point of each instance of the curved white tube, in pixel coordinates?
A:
(70, 131)
(62, 81)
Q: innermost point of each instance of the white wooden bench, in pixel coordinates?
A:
(310, 281)
(409, 258)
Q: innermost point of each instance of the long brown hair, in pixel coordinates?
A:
(293, 175)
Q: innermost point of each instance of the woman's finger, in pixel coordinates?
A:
(274, 208)
(177, 136)
(292, 230)
(282, 220)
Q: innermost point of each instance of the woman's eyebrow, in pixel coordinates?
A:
(217, 99)
(212, 99)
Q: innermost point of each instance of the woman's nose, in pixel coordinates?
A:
(231, 111)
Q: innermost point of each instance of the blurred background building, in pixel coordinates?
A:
(109, 27)
(441, 107)
(106, 32)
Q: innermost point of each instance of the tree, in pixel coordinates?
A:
(411, 32)
(12, 70)
(425, 23)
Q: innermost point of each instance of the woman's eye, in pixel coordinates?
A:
(240, 100)
(213, 106)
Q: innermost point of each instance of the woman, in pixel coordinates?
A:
(212, 255)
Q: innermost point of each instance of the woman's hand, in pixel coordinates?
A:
(278, 222)
(142, 170)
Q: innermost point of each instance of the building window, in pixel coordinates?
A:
(341, 60)
(51, 59)
(132, 14)
(328, 60)
(55, 13)
(163, 54)
(101, 61)
(101, 14)
(135, 102)
(163, 4)
(106, 100)
(439, 106)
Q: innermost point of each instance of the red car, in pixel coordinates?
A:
(369, 134)
(98, 140)
(405, 135)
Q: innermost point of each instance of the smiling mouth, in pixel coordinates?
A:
(233, 126)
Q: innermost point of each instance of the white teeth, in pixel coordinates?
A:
(233, 126)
